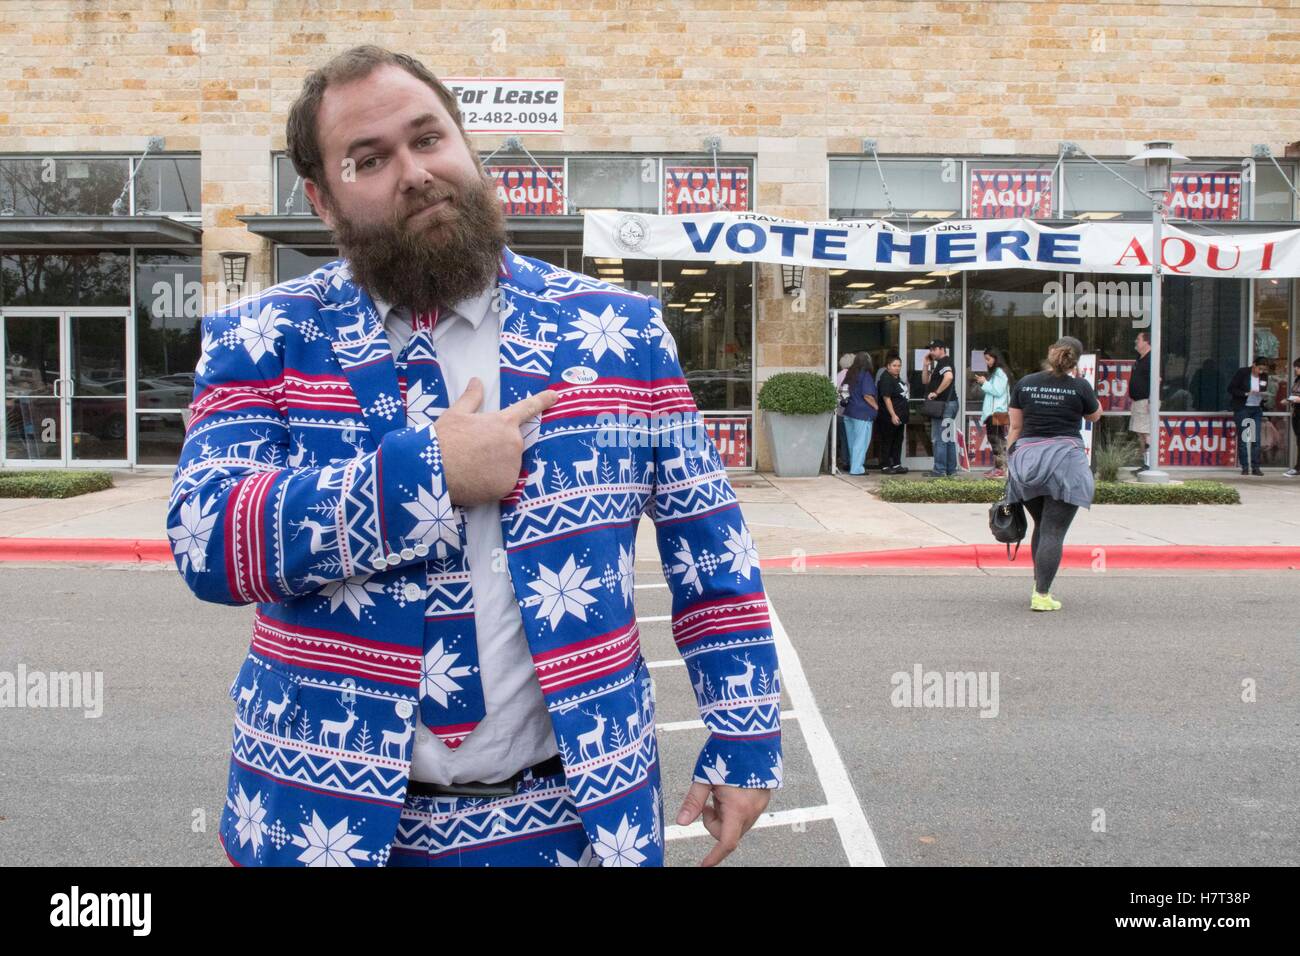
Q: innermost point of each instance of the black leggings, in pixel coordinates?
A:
(1051, 520)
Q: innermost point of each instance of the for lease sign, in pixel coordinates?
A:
(496, 105)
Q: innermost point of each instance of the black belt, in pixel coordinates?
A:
(475, 788)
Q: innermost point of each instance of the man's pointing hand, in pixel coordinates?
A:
(482, 452)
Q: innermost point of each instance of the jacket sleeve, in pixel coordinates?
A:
(720, 620)
(249, 523)
(1237, 387)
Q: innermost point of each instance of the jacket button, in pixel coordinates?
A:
(378, 562)
(394, 559)
(421, 550)
(408, 554)
(412, 592)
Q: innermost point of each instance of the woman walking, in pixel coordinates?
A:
(892, 418)
(1048, 469)
(860, 413)
(994, 416)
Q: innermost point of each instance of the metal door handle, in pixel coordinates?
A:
(57, 393)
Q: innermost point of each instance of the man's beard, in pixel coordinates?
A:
(431, 263)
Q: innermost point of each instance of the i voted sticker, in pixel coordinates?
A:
(579, 375)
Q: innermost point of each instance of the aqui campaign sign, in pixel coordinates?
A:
(499, 105)
(731, 437)
(873, 244)
(529, 191)
(1198, 440)
(1205, 195)
(1010, 193)
(1113, 376)
(692, 189)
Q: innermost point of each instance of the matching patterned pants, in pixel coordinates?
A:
(536, 826)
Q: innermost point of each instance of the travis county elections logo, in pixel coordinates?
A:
(631, 232)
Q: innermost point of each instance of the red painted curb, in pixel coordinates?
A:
(1179, 556)
(76, 550)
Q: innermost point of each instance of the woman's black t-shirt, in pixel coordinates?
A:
(893, 389)
(1053, 405)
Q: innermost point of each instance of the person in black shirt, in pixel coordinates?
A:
(938, 377)
(892, 419)
(1047, 468)
(1294, 399)
(1139, 391)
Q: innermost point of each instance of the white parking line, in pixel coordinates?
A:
(677, 663)
(644, 587)
(699, 724)
(855, 833)
(651, 620)
(778, 818)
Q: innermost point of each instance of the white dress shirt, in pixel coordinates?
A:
(516, 730)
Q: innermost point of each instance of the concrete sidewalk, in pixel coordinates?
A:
(822, 515)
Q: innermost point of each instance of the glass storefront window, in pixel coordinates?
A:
(61, 186)
(920, 187)
(627, 184)
(293, 262)
(1273, 197)
(1008, 309)
(851, 289)
(169, 308)
(168, 185)
(1104, 312)
(285, 179)
(1203, 323)
(159, 437)
(708, 307)
(1088, 188)
(65, 279)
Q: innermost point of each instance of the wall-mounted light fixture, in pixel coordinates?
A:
(234, 268)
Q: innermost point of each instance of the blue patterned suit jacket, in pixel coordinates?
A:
(311, 484)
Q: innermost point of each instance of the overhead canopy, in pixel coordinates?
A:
(97, 230)
(300, 230)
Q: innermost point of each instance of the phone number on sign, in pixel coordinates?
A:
(510, 119)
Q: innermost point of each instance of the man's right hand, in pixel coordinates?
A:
(482, 452)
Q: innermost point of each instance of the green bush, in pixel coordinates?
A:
(983, 491)
(1118, 451)
(52, 484)
(798, 393)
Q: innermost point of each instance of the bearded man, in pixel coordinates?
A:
(400, 459)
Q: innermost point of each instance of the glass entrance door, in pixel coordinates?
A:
(853, 331)
(33, 385)
(65, 388)
(919, 330)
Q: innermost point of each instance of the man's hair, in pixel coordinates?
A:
(1146, 336)
(354, 64)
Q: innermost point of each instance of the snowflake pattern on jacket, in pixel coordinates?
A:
(311, 484)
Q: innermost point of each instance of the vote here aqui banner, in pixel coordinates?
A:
(876, 245)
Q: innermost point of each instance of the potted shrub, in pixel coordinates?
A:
(797, 411)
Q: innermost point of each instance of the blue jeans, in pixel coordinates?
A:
(859, 432)
(945, 452)
(1255, 415)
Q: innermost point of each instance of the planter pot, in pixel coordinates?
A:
(797, 442)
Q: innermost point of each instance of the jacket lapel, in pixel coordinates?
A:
(351, 320)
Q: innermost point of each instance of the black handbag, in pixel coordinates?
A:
(933, 408)
(1008, 523)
